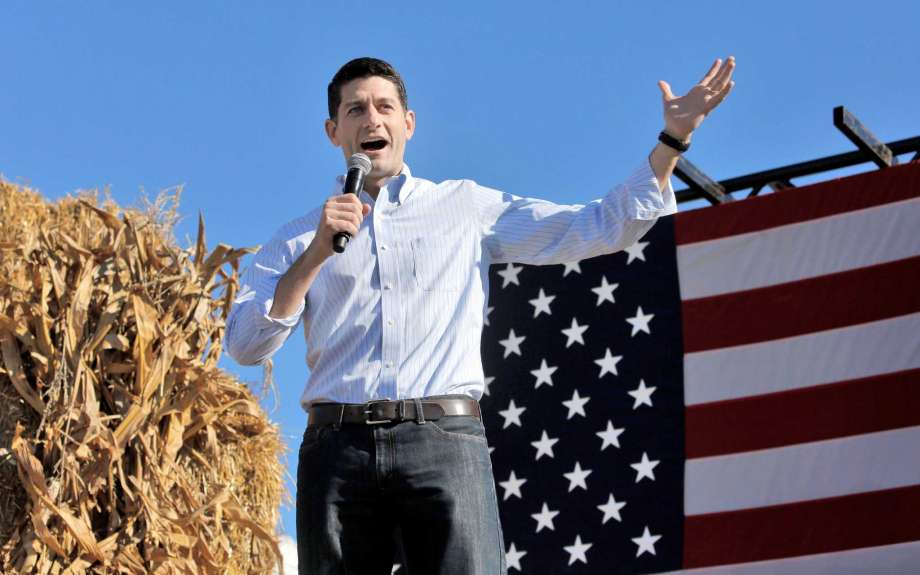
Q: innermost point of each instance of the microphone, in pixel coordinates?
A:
(359, 166)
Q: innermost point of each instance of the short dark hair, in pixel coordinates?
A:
(363, 68)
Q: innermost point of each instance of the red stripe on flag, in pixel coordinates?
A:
(825, 302)
(819, 526)
(841, 409)
(799, 204)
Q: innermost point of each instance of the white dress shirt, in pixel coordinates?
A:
(399, 314)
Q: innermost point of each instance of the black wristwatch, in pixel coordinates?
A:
(672, 142)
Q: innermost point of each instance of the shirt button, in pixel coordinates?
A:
(388, 286)
(390, 322)
(389, 364)
(383, 247)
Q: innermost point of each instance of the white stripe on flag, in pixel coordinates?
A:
(802, 250)
(817, 470)
(898, 559)
(795, 362)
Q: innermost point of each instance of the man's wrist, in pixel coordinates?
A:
(319, 250)
(663, 151)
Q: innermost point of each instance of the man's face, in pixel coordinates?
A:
(372, 121)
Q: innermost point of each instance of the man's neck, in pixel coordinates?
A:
(373, 187)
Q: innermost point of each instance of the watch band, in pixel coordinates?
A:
(672, 142)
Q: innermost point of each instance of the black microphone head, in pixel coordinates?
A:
(361, 162)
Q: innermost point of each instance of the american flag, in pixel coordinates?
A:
(741, 388)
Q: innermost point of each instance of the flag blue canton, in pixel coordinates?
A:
(585, 410)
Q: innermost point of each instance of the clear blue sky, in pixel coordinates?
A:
(556, 100)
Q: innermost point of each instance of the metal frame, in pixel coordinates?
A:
(865, 140)
(870, 150)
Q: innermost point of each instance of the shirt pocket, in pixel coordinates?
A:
(436, 267)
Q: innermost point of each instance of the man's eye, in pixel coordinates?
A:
(354, 110)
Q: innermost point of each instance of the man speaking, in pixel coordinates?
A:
(393, 317)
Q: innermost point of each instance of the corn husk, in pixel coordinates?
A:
(123, 447)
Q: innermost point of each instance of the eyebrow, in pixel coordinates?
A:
(360, 101)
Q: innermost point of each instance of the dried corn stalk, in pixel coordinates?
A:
(123, 448)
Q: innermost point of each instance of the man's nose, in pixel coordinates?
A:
(373, 117)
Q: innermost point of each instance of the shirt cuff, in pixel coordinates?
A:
(287, 322)
(645, 201)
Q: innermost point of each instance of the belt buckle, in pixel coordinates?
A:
(369, 408)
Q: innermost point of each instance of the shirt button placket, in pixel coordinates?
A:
(389, 307)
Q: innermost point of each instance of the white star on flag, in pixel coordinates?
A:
(486, 383)
(571, 267)
(512, 415)
(577, 551)
(577, 477)
(645, 467)
(544, 374)
(576, 405)
(545, 445)
(611, 509)
(611, 435)
(545, 518)
(608, 363)
(541, 303)
(512, 344)
(635, 252)
(512, 486)
(639, 322)
(605, 291)
(510, 275)
(513, 557)
(646, 543)
(575, 333)
(642, 395)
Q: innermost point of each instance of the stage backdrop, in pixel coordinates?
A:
(741, 387)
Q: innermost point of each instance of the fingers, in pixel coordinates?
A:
(343, 213)
(665, 90)
(342, 222)
(724, 76)
(712, 72)
(717, 99)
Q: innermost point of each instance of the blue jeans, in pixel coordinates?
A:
(358, 485)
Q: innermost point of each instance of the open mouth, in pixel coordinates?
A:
(373, 145)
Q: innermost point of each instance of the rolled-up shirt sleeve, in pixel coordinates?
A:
(538, 232)
(253, 336)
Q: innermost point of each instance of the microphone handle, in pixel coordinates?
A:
(340, 241)
(354, 181)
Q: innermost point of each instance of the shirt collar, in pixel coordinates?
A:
(398, 187)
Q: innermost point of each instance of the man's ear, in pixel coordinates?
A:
(331, 128)
(410, 124)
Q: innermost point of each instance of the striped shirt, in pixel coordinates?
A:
(400, 313)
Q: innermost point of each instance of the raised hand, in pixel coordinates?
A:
(683, 114)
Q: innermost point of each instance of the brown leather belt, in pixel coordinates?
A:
(391, 411)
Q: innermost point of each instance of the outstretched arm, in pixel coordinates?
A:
(684, 114)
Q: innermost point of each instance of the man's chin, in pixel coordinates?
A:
(384, 168)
